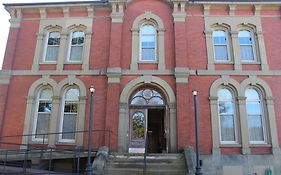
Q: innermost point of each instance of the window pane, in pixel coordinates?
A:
(224, 94)
(77, 38)
(253, 108)
(252, 95)
(148, 29)
(219, 37)
(244, 37)
(42, 125)
(148, 41)
(246, 52)
(255, 128)
(148, 54)
(54, 39)
(138, 125)
(46, 94)
(76, 53)
(69, 125)
(221, 53)
(70, 107)
(156, 101)
(226, 107)
(45, 106)
(227, 128)
(52, 53)
(72, 95)
(138, 101)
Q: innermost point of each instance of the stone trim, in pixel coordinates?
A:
(179, 12)
(148, 17)
(234, 22)
(114, 75)
(117, 13)
(269, 112)
(123, 126)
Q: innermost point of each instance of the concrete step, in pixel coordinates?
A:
(157, 164)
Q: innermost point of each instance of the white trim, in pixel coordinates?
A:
(227, 46)
(60, 139)
(253, 45)
(46, 39)
(155, 47)
(70, 47)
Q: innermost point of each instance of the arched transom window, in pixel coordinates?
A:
(147, 97)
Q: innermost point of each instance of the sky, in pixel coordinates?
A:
(5, 25)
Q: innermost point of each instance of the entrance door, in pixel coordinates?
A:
(156, 140)
(147, 122)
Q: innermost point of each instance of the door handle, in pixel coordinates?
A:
(149, 132)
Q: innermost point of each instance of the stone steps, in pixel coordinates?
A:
(157, 164)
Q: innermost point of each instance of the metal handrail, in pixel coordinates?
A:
(41, 149)
(145, 153)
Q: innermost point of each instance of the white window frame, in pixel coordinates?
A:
(46, 47)
(236, 141)
(62, 118)
(262, 115)
(70, 47)
(36, 118)
(140, 45)
(253, 47)
(227, 46)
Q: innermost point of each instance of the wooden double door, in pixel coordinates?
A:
(148, 130)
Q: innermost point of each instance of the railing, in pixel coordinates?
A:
(145, 153)
(18, 158)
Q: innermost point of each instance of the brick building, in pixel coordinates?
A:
(144, 58)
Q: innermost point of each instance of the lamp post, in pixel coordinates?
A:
(198, 165)
(89, 168)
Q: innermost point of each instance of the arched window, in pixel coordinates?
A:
(148, 43)
(43, 113)
(255, 114)
(69, 114)
(220, 45)
(227, 118)
(53, 44)
(146, 97)
(246, 45)
(76, 48)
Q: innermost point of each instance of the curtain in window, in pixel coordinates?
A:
(43, 113)
(226, 115)
(53, 46)
(220, 45)
(77, 43)
(255, 115)
(148, 43)
(246, 45)
(70, 114)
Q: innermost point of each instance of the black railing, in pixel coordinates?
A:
(18, 158)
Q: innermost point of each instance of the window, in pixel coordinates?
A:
(226, 111)
(148, 43)
(77, 43)
(69, 116)
(246, 45)
(254, 109)
(220, 45)
(43, 113)
(52, 49)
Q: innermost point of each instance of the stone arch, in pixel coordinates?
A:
(259, 83)
(148, 17)
(168, 93)
(31, 99)
(226, 81)
(73, 81)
